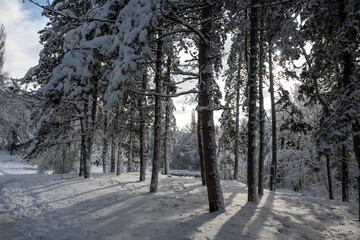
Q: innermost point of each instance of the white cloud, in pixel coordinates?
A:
(22, 43)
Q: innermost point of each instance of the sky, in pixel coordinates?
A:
(22, 21)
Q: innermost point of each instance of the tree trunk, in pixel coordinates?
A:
(113, 142)
(120, 140)
(329, 177)
(130, 160)
(157, 121)
(167, 120)
(166, 139)
(261, 117)
(82, 147)
(237, 125)
(87, 137)
(105, 143)
(142, 104)
(344, 174)
(201, 149)
(356, 144)
(215, 196)
(273, 167)
(251, 161)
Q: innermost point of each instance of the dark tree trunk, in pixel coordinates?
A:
(251, 161)
(215, 196)
(105, 143)
(201, 150)
(142, 104)
(120, 139)
(166, 139)
(157, 121)
(130, 160)
(261, 117)
(329, 177)
(344, 174)
(356, 145)
(167, 121)
(88, 137)
(273, 167)
(113, 142)
(348, 62)
(82, 147)
(237, 125)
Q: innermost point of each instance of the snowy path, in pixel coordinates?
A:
(53, 206)
(110, 207)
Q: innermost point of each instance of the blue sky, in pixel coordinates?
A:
(22, 22)
(34, 10)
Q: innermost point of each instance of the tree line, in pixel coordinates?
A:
(109, 69)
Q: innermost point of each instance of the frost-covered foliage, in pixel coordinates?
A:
(58, 159)
(185, 152)
(15, 129)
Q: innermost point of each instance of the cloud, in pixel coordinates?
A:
(22, 42)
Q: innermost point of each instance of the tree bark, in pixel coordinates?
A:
(215, 196)
(82, 147)
(273, 167)
(142, 104)
(261, 117)
(201, 150)
(105, 143)
(130, 160)
(237, 120)
(167, 120)
(88, 137)
(113, 142)
(348, 63)
(329, 177)
(356, 145)
(157, 121)
(251, 161)
(120, 139)
(344, 174)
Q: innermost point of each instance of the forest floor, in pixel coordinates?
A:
(50, 206)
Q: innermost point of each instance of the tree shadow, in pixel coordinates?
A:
(237, 227)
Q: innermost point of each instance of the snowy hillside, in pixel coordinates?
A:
(34, 206)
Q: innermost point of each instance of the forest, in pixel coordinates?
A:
(102, 93)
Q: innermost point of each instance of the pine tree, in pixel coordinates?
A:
(252, 82)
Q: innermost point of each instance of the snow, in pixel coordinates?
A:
(50, 206)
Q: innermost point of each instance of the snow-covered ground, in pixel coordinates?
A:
(66, 206)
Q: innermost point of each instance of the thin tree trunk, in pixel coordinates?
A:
(329, 177)
(167, 120)
(273, 167)
(142, 129)
(215, 196)
(344, 174)
(113, 142)
(105, 143)
(251, 161)
(237, 119)
(261, 117)
(82, 147)
(201, 149)
(157, 121)
(88, 137)
(120, 140)
(166, 139)
(130, 160)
